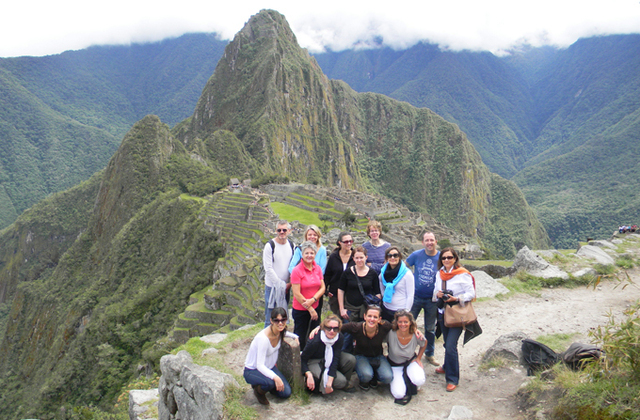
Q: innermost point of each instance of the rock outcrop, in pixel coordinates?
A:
(535, 265)
(487, 286)
(190, 391)
(595, 253)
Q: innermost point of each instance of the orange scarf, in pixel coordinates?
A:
(460, 270)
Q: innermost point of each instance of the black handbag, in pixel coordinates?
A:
(369, 298)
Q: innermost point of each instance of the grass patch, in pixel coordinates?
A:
(625, 261)
(480, 263)
(193, 198)
(234, 406)
(290, 213)
(493, 363)
(522, 282)
(604, 269)
(557, 342)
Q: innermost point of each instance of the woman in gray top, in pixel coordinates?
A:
(408, 372)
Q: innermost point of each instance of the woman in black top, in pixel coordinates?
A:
(356, 282)
(338, 261)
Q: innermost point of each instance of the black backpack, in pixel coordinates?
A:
(537, 356)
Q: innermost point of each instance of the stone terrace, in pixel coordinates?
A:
(244, 222)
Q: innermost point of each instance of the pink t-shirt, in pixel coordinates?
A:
(310, 282)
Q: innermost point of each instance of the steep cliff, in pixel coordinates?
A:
(82, 314)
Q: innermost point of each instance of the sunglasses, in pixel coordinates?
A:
(449, 258)
(334, 329)
(281, 230)
(279, 320)
(347, 242)
(394, 255)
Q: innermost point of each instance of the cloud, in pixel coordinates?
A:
(44, 27)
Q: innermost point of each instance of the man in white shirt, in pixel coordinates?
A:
(276, 256)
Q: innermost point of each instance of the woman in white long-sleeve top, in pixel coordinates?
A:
(459, 282)
(260, 369)
(396, 284)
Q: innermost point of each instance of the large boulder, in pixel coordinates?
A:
(508, 346)
(190, 391)
(487, 286)
(595, 253)
(603, 244)
(535, 265)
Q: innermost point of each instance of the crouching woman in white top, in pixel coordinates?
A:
(260, 369)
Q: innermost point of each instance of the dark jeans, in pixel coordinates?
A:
(387, 314)
(451, 364)
(430, 316)
(302, 325)
(254, 377)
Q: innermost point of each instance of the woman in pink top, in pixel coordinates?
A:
(307, 286)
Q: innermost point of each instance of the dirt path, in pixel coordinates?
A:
(489, 395)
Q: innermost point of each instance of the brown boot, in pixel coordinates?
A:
(260, 394)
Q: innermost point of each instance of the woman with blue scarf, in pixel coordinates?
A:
(396, 284)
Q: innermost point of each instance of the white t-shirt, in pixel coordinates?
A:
(276, 263)
(262, 356)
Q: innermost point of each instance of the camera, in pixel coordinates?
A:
(446, 295)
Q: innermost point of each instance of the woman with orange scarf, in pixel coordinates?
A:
(459, 284)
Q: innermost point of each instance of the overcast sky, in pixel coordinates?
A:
(37, 27)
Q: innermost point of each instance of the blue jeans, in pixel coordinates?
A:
(254, 377)
(430, 315)
(451, 364)
(365, 366)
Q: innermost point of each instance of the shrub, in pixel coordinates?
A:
(625, 261)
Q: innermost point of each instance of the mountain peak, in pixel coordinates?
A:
(272, 95)
(267, 24)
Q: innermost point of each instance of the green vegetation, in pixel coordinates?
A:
(626, 262)
(558, 342)
(291, 213)
(63, 116)
(480, 263)
(607, 388)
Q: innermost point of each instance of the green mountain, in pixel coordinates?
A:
(582, 175)
(489, 101)
(62, 116)
(559, 123)
(95, 276)
(271, 97)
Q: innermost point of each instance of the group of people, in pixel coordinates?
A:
(373, 298)
(627, 229)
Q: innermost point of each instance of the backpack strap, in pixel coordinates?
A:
(273, 247)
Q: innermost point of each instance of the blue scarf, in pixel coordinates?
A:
(389, 288)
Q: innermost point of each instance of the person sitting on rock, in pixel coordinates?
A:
(260, 369)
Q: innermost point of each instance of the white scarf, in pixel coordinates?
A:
(328, 357)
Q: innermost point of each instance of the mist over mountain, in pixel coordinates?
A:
(62, 117)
